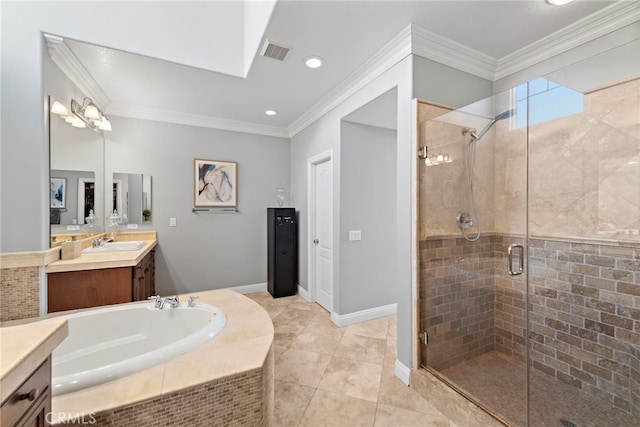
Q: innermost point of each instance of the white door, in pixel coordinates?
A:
(323, 240)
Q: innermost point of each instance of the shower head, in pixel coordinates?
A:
(501, 116)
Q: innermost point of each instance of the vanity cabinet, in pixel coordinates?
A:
(91, 288)
(29, 405)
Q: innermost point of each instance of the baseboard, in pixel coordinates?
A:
(403, 373)
(364, 315)
(304, 293)
(247, 289)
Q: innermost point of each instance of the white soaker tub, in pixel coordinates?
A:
(112, 342)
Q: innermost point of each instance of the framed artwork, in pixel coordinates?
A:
(58, 192)
(216, 184)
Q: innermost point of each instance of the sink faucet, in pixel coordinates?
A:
(192, 301)
(97, 242)
(173, 302)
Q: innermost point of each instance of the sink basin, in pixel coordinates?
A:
(116, 247)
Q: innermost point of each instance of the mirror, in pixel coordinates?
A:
(77, 183)
(131, 198)
(72, 195)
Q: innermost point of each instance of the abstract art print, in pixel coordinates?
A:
(215, 184)
(58, 192)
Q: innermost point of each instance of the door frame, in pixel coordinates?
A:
(312, 162)
(81, 194)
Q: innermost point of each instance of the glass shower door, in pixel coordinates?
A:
(472, 195)
(584, 251)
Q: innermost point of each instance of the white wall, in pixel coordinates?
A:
(325, 134)
(206, 250)
(368, 204)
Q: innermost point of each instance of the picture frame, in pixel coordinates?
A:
(58, 193)
(215, 184)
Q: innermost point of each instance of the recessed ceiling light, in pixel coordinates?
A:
(271, 112)
(314, 62)
(558, 2)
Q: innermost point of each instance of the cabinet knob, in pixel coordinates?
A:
(31, 396)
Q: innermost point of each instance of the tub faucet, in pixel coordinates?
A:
(157, 299)
(173, 302)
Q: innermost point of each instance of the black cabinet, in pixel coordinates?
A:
(282, 252)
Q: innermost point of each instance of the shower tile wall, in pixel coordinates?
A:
(459, 301)
(584, 318)
(584, 189)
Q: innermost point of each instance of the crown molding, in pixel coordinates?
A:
(598, 24)
(389, 55)
(69, 63)
(159, 115)
(433, 46)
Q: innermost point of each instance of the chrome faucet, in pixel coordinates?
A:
(173, 302)
(157, 299)
(97, 242)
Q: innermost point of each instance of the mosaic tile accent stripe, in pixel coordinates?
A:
(20, 290)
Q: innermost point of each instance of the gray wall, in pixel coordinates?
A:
(367, 200)
(206, 250)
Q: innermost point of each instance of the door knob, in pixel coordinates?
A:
(316, 241)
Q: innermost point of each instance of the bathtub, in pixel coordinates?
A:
(112, 342)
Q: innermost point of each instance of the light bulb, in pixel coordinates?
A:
(91, 112)
(58, 108)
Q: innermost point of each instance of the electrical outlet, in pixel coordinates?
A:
(355, 235)
(172, 222)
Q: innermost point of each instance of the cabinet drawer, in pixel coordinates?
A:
(21, 401)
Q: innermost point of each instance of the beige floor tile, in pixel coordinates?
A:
(389, 416)
(323, 341)
(295, 314)
(360, 348)
(301, 367)
(335, 410)
(352, 378)
(322, 320)
(284, 333)
(376, 328)
(291, 400)
(394, 392)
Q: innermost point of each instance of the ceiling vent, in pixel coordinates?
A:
(272, 50)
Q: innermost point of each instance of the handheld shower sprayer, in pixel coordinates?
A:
(501, 116)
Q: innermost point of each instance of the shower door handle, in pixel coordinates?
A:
(520, 259)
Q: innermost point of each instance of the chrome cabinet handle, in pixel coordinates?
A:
(510, 251)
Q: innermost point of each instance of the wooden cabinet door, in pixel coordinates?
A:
(88, 288)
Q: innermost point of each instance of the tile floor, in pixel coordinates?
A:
(330, 376)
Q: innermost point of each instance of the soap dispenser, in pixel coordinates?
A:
(113, 225)
(91, 219)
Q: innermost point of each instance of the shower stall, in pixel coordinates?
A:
(529, 252)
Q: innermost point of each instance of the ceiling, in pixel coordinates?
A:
(345, 34)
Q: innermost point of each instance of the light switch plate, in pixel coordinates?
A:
(132, 226)
(172, 222)
(73, 227)
(355, 235)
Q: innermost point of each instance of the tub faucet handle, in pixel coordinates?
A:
(157, 299)
(192, 300)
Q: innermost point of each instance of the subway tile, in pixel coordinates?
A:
(601, 261)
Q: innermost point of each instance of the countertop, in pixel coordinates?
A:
(241, 346)
(94, 261)
(23, 348)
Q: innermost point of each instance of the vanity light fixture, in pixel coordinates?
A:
(314, 62)
(58, 108)
(558, 2)
(90, 115)
(271, 112)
